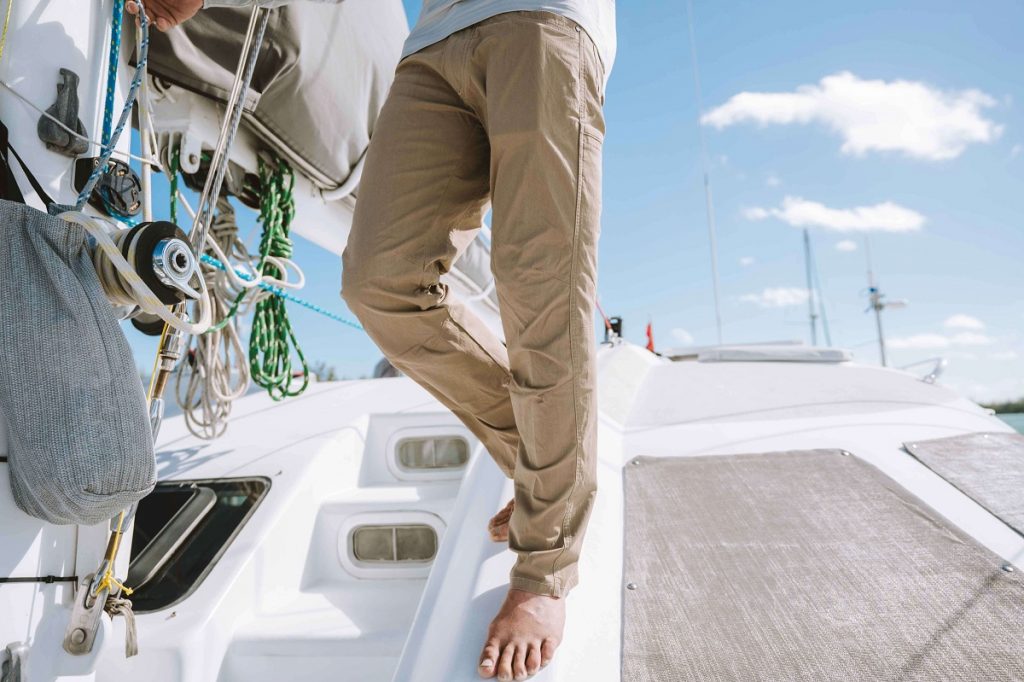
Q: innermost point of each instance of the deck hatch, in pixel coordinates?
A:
(432, 453)
(394, 544)
(181, 530)
(987, 467)
(809, 565)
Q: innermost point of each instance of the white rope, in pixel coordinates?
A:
(152, 161)
(122, 284)
(216, 371)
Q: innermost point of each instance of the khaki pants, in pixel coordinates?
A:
(506, 112)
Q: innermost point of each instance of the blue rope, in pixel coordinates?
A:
(278, 291)
(126, 112)
(112, 59)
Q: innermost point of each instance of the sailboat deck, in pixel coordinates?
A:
(805, 565)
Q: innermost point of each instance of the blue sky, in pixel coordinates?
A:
(902, 125)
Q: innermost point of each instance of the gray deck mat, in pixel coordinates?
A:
(805, 566)
(987, 467)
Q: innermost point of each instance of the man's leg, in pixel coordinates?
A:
(541, 108)
(422, 197)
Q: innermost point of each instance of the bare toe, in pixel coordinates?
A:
(498, 525)
(533, 660)
(489, 659)
(505, 664)
(547, 651)
(519, 663)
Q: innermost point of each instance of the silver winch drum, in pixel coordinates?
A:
(323, 72)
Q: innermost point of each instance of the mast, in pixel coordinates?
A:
(708, 204)
(878, 303)
(811, 310)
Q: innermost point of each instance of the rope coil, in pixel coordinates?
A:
(215, 372)
(272, 339)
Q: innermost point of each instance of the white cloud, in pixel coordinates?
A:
(846, 246)
(918, 342)
(777, 297)
(773, 180)
(682, 336)
(935, 341)
(747, 261)
(971, 339)
(1016, 150)
(909, 117)
(1005, 355)
(884, 217)
(961, 321)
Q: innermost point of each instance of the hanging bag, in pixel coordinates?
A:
(79, 443)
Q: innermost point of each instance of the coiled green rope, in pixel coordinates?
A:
(272, 338)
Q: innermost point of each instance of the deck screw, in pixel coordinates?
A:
(630, 586)
(1008, 568)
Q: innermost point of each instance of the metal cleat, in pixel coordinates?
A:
(85, 616)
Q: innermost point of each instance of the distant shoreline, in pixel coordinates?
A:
(1012, 407)
(1014, 419)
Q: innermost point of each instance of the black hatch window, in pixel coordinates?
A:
(181, 530)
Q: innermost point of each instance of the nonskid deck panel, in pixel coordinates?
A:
(805, 565)
(987, 467)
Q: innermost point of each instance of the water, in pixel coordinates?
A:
(1014, 420)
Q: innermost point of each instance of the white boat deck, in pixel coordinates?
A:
(282, 600)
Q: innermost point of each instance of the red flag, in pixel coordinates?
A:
(650, 337)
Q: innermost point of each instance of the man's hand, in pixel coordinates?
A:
(166, 14)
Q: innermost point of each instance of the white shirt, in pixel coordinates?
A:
(441, 18)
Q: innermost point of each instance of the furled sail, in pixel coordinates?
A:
(322, 75)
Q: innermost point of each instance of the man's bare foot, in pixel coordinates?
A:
(523, 636)
(498, 526)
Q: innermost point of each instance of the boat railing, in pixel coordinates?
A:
(938, 366)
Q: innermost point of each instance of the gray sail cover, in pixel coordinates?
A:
(320, 80)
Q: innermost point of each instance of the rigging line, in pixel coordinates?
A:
(127, 155)
(278, 291)
(7, 22)
(229, 126)
(822, 301)
(708, 203)
(112, 61)
(126, 112)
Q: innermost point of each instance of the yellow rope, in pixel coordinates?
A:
(7, 21)
(108, 581)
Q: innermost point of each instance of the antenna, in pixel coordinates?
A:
(811, 310)
(709, 205)
(878, 302)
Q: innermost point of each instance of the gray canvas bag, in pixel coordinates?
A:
(79, 443)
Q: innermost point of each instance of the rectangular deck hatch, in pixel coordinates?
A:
(432, 453)
(394, 544)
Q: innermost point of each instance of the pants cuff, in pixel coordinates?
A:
(553, 587)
